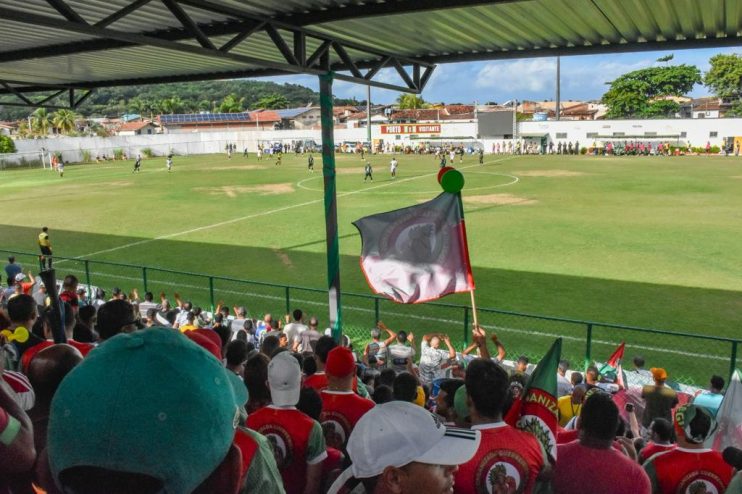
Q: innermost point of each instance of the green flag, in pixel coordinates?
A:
(538, 412)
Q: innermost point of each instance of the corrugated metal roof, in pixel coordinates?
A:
(455, 30)
(292, 112)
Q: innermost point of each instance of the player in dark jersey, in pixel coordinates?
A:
(369, 172)
(137, 164)
(310, 163)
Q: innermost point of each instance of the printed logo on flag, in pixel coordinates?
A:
(419, 237)
(538, 417)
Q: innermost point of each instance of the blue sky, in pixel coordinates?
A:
(583, 77)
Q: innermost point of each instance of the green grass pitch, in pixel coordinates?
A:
(639, 241)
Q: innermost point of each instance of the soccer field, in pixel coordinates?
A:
(639, 241)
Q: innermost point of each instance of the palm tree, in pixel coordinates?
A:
(273, 101)
(232, 104)
(410, 102)
(41, 121)
(171, 105)
(64, 120)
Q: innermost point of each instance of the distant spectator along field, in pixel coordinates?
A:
(643, 241)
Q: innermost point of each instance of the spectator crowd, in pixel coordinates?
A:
(148, 395)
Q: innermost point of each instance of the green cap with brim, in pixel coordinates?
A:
(150, 402)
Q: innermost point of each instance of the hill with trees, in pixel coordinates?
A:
(186, 97)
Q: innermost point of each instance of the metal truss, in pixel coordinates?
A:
(24, 95)
(289, 40)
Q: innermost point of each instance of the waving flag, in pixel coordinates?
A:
(418, 253)
(729, 417)
(536, 412)
(613, 365)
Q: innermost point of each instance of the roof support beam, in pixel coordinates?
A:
(67, 11)
(242, 36)
(23, 100)
(121, 13)
(281, 44)
(188, 23)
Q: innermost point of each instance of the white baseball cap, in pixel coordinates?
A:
(20, 277)
(284, 379)
(398, 433)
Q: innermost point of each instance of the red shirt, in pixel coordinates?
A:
(71, 298)
(582, 469)
(318, 381)
(289, 432)
(685, 470)
(652, 449)
(341, 411)
(30, 353)
(84, 348)
(508, 460)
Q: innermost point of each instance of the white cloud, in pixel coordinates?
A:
(534, 75)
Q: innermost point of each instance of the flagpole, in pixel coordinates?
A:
(474, 309)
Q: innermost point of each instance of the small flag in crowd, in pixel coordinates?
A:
(538, 407)
(729, 417)
(418, 253)
(613, 365)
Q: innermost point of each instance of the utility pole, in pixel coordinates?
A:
(558, 88)
(368, 119)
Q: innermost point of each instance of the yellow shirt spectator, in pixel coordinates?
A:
(567, 409)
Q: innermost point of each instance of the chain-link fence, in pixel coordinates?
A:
(688, 358)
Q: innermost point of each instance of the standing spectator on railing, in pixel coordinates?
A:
(45, 245)
(659, 399)
(402, 352)
(690, 468)
(711, 398)
(433, 360)
(294, 329)
(308, 338)
(592, 464)
(564, 386)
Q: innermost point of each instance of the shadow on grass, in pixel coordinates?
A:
(695, 310)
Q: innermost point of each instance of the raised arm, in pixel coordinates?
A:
(451, 350)
(392, 334)
(500, 347)
(479, 336)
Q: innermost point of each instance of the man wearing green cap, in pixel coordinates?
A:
(164, 421)
(690, 467)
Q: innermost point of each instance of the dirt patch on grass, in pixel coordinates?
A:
(284, 258)
(500, 200)
(739, 177)
(349, 171)
(237, 190)
(238, 167)
(550, 173)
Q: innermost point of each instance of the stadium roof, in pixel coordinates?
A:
(82, 44)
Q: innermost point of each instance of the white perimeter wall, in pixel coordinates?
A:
(698, 132)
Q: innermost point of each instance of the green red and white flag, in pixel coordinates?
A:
(537, 412)
(729, 417)
(418, 253)
(613, 365)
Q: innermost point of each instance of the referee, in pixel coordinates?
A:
(46, 249)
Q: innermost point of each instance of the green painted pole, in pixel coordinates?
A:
(288, 301)
(588, 345)
(376, 311)
(466, 326)
(331, 214)
(91, 295)
(211, 292)
(144, 278)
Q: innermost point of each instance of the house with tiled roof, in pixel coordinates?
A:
(706, 107)
(137, 128)
(306, 117)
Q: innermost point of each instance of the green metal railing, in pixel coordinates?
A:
(689, 358)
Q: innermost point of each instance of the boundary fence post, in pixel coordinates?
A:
(466, 325)
(211, 292)
(144, 278)
(288, 300)
(87, 278)
(376, 310)
(733, 360)
(588, 344)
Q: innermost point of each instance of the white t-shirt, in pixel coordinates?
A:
(398, 355)
(431, 360)
(293, 331)
(393, 164)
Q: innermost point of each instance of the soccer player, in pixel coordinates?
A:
(393, 167)
(60, 167)
(278, 160)
(137, 164)
(46, 249)
(169, 162)
(481, 156)
(369, 172)
(310, 163)
(443, 160)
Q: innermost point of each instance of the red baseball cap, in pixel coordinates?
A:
(211, 335)
(340, 362)
(205, 343)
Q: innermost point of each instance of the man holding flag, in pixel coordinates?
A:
(507, 460)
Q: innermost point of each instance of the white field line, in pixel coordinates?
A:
(262, 213)
(528, 332)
